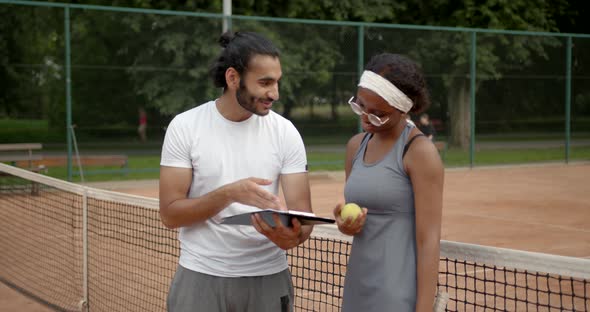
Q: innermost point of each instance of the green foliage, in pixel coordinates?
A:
(147, 167)
(122, 61)
(26, 130)
(339, 10)
(170, 60)
(29, 68)
(497, 55)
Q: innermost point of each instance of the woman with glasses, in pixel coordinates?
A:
(394, 171)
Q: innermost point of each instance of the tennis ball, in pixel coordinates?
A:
(351, 210)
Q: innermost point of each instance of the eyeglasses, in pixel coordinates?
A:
(374, 120)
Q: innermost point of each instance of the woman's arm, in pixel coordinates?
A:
(426, 171)
(348, 226)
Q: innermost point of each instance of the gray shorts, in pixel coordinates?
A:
(194, 291)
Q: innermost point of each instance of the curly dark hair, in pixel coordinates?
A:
(238, 50)
(405, 74)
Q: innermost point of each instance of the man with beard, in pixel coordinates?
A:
(227, 157)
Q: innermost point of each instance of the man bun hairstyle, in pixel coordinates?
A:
(405, 74)
(238, 49)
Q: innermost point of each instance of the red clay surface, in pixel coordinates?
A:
(544, 208)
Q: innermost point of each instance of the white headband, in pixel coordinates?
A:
(387, 90)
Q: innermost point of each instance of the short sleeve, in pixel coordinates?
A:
(294, 157)
(176, 147)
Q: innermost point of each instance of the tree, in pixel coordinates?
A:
(186, 45)
(442, 53)
(30, 69)
(492, 14)
(320, 60)
(183, 47)
(161, 60)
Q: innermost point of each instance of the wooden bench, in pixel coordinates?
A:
(20, 153)
(85, 160)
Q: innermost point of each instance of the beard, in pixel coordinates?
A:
(248, 101)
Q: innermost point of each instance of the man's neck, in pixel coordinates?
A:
(230, 109)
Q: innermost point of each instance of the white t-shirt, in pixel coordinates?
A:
(220, 152)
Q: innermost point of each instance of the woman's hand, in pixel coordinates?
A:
(348, 226)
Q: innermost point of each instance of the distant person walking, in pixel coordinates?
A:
(142, 129)
(426, 126)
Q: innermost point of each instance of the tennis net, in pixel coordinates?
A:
(77, 248)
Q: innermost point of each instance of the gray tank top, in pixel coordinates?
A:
(381, 272)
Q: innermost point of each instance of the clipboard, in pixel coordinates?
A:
(305, 218)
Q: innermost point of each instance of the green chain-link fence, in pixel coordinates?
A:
(497, 96)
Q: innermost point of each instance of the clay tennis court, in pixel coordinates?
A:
(541, 208)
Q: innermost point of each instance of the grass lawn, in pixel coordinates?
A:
(146, 167)
(457, 158)
(16, 124)
(143, 158)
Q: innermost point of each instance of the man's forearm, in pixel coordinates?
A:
(188, 211)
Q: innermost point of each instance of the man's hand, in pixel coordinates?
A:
(348, 226)
(248, 192)
(283, 236)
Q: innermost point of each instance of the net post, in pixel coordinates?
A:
(227, 8)
(85, 249)
(360, 62)
(568, 98)
(75, 141)
(472, 93)
(68, 80)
